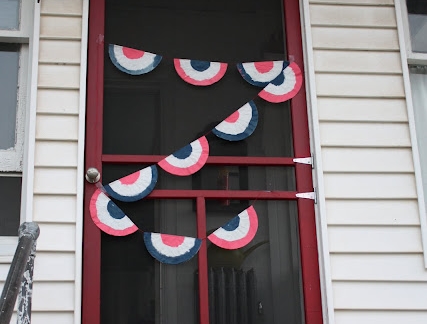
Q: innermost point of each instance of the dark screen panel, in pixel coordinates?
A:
(10, 202)
(232, 32)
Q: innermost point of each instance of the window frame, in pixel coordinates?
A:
(91, 285)
(12, 160)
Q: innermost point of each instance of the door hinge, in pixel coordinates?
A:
(305, 160)
(308, 195)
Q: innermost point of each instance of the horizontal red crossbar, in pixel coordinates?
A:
(223, 194)
(213, 160)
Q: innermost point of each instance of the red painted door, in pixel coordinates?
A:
(135, 121)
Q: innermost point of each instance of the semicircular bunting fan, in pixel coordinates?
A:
(133, 61)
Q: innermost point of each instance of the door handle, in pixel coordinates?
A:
(92, 175)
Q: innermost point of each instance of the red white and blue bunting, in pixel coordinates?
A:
(238, 232)
(171, 249)
(261, 73)
(280, 80)
(187, 160)
(108, 217)
(285, 86)
(200, 73)
(239, 125)
(133, 61)
(134, 186)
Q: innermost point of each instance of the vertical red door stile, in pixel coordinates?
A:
(91, 286)
(203, 262)
(303, 173)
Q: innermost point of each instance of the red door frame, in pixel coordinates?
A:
(92, 237)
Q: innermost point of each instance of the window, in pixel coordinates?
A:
(135, 121)
(15, 22)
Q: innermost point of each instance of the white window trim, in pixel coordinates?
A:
(409, 57)
(15, 157)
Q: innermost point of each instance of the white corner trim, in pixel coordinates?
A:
(30, 127)
(314, 128)
(412, 131)
(80, 165)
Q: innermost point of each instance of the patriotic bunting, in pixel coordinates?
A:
(132, 61)
(285, 86)
(108, 217)
(171, 249)
(237, 232)
(239, 125)
(261, 73)
(280, 80)
(188, 160)
(200, 73)
(134, 186)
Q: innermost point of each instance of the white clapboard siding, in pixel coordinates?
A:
(61, 8)
(39, 317)
(357, 85)
(58, 101)
(362, 109)
(56, 158)
(362, 159)
(59, 76)
(370, 186)
(365, 134)
(327, 15)
(55, 181)
(347, 38)
(54, 266)
(373, 223)
(58, 51)
(55, 153)
(48, 266)
(378, 267)
(51, 296)
(56, 237)
(55, 208)
(52, 27)
(380, 295)
(376, 317)
(372, 212)
(357, 62)
(57, 127)
(374, 239)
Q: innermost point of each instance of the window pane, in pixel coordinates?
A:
(260, 282)
(9, 14)
(9, 65)
(417, 16)
(136, 288)
(10, 202)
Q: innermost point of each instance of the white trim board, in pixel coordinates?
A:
(411, 121)
(80, 165)
(314, 128)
